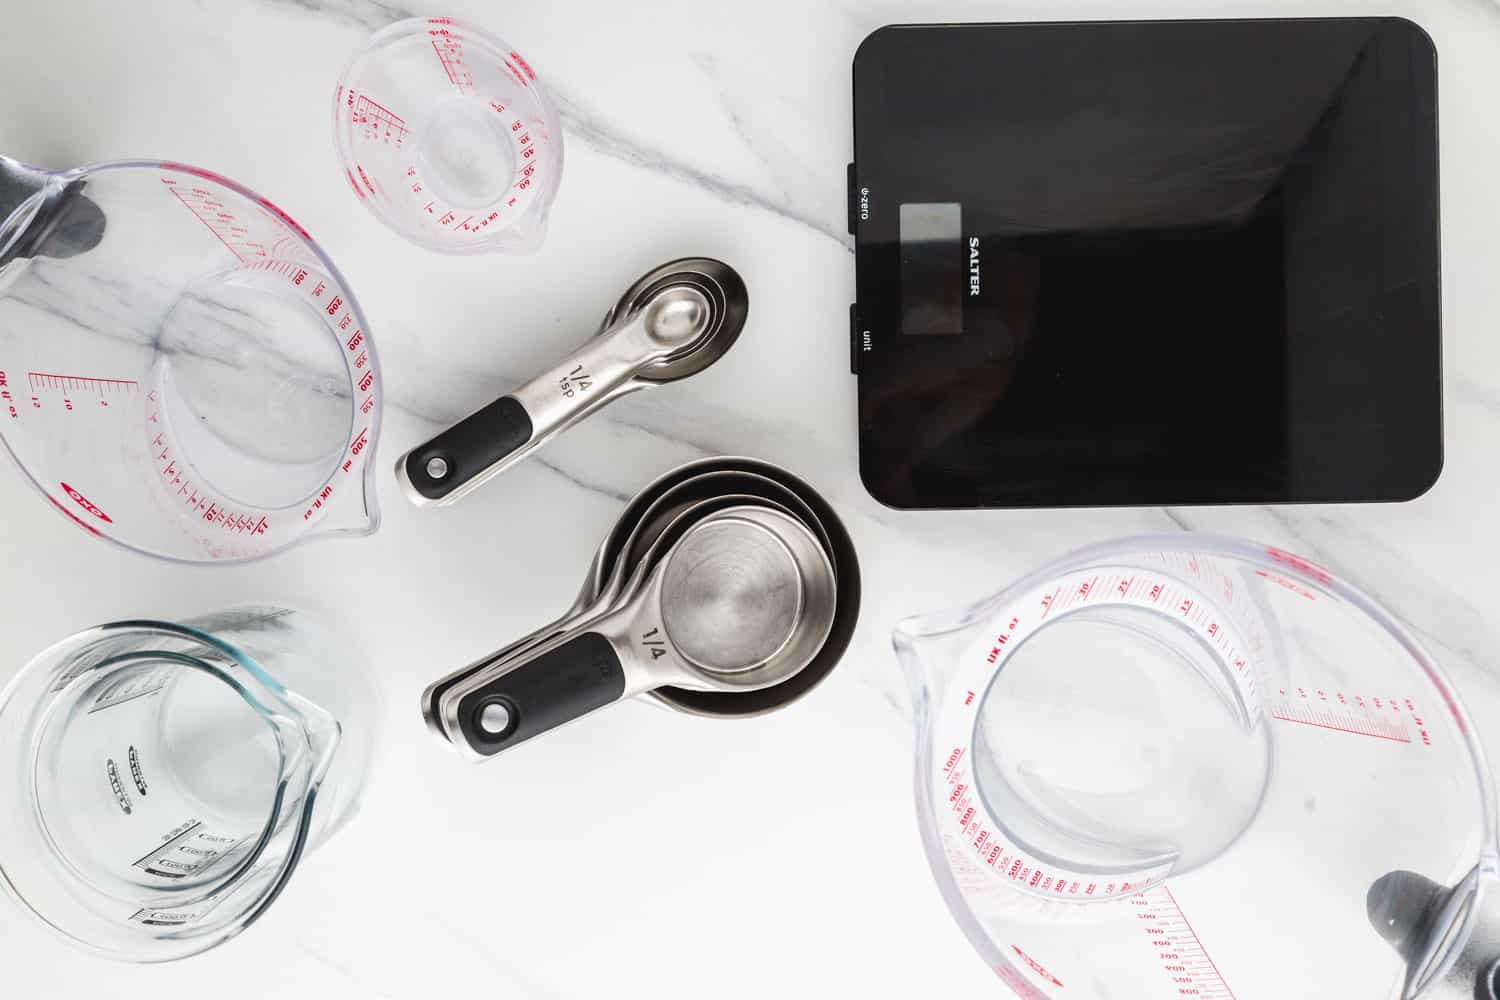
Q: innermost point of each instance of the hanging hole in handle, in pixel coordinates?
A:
(497, 718)
(543, 692)
(462, 453)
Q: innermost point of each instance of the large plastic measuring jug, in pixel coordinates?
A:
(182, 370)
(1185, 766)
(162, 781)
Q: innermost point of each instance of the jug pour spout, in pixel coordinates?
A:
(927, 646)
(322, 732)
(353, 520)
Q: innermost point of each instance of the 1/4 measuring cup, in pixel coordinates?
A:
(182, 369)
(164, 781)
(650, 523)
(738, 599)
(1191, 766)
(448, 137)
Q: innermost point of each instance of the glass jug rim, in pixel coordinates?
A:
(299, 775)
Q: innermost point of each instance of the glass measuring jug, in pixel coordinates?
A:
(182, 369)
(1190, 766)
(164, 780)
(448, 137)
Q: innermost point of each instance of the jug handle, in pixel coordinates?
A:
(18, 182)
(60, 215)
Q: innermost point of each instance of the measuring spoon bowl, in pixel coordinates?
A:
(694, 310)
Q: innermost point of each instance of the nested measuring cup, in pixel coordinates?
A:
(1192, 766)
(182, 369)
(163, 781)
(448, 137)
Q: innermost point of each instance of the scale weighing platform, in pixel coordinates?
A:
(1147, 263)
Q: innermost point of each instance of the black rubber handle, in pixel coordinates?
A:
(434, 694)
(469, 447)
(559, 686)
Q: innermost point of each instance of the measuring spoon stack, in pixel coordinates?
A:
(644, 574)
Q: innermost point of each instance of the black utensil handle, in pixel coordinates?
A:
(433, 696)
(468, 448)
(539, 694)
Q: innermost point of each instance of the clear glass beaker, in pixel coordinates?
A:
(182, 369)
(165, 780)
(1183, 765)
(447, 135)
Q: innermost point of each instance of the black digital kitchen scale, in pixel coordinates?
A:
(1170, 262)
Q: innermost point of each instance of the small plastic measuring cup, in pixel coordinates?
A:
(163, 781)
(446, 134)
(1191, 766)
(182, 369)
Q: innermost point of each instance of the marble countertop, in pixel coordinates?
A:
(644, 853)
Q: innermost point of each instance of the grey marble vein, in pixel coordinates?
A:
(583, 125)
(1179, 520)
(342, 969)
(577, 480)
(521, 984)
(591, 129)
(1419, 598)
(371, 15)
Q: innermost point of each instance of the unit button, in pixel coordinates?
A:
(854, 339)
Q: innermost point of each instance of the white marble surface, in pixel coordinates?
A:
(642, 854)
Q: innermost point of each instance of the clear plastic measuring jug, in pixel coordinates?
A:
(163, 781)
(448, 137)
(182, 369)
(1189, 766)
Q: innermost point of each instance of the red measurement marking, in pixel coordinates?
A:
(80, 383)
(1301, 565)
(450, 52)
(1183, 957)
(202, 503)
(1282, 581)
(1037, 966)
(525, 66)
(368, 112)
(1379, 718)
(217, 219)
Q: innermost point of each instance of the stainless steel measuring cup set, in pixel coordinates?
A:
(728, 588)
